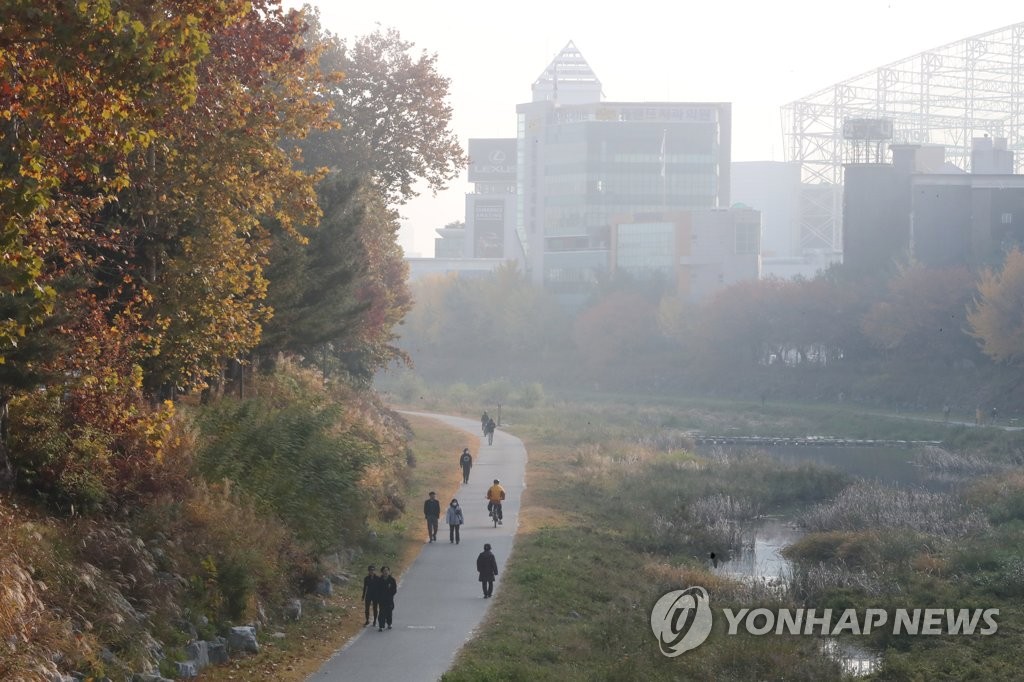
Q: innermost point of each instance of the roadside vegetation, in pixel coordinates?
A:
(199, 276)
(393, 537)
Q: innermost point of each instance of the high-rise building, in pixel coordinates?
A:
(582, 161)
(490, 207)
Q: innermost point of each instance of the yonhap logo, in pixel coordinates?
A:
(681, 620)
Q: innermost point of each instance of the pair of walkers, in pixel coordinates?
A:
(379, 597)
(453, 517)
(487, 426)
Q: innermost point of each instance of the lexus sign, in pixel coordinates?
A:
(492, 159)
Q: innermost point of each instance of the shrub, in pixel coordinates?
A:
(30, 633)
(495, 392)
(290, 461)
(409, 387)
(864, 506)
(1001, 497)
(461, 395)
(531, 395)
(234, 556)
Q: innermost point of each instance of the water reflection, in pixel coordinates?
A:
(760, 554)
(854, 660)
(888, 465)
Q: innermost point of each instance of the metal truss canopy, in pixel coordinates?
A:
(948, 96)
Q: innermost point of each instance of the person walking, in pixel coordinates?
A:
(432, 512)
(371, 591)
(466, 462)
(388, 590)
(455, 519)
(487, 567)
(489, 431)
(495, 496)
(484, 418)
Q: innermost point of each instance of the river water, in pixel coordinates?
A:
(760, 556)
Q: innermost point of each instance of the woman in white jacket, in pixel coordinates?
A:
(454, 519)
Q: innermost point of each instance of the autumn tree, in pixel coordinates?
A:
(736, 326)
(923, 314)
(996, 317)
(82, 86)
(393, 115)
(208, 192)
(340, 297)
(615, 335)
(151, 162)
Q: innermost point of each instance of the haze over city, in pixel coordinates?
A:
(758, 56)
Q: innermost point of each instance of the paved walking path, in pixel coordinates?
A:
(439, 602)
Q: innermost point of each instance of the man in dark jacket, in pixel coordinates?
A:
(388, 589)
(487, 566)
(371, 593)
(466, 462)
(432, 512)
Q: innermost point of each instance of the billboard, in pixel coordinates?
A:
(489, 228)
(492, 159)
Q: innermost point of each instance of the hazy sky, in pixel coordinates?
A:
(758, 55)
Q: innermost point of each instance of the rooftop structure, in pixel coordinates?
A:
(949, 95)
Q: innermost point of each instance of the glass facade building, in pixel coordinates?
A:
(582, 161)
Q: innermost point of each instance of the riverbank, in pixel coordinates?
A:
(620, 512)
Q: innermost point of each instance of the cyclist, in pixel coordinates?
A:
(495, 496)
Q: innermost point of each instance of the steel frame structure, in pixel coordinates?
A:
(948, 95)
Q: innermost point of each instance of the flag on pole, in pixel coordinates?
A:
(662, 156)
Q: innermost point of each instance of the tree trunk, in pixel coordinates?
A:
(6, 470)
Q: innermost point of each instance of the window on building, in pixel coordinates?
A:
(1007, 218)
(748, 239)
(646, 247)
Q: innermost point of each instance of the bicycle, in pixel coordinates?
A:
(495, 514)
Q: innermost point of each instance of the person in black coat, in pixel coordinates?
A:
(487, 566)
(371, 592)
(466, 462)
(432, 511)
(388, 590)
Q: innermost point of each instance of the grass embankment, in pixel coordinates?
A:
(618, 513)
(329, 623)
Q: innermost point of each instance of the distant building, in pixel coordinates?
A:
(582, 161)
(694, 253)
(450, 242)
(774, 189)
(491, 206)
(921, 208)
(420, 268)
